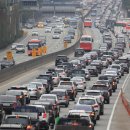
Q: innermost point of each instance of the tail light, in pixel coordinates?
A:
(95, 106)
(90, 126)
(65, 97)
(29, 127)
(39, 88)
(14, 105)
(113, 83)
(92, 114)
(44, 115)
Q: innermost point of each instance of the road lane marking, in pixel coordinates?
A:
(114, 107)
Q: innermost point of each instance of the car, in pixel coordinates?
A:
(52, 103)
(67, 39)
(105, 91)
(9, 103)
(105, 62)
(57, 30)
(92, 70)
(107, 83)
(35, 33)
(79, 52)
(124, 59)
(118, 67)
(18, 121)
(56, 78)
(40, 86)
(33, 91)
(56, 35)
(24, 90)
(82, 113)
(88, 109)
(13, 46)
(88, 76)
(19, 95)
(72, 85)
(63, 96)
(20, 48)
(73, 121)
(29, 26)
(61, 72)
(98, 64)
(42, 112)
(48, 29)
(90, 100)
(60, 59)
(76, 63)
(80, 83)
(47, 77)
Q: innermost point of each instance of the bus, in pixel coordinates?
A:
(86, 42)
(88, 22)
(34, 44)
(73, 23)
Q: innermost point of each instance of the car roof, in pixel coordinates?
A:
(58, 90)
(93, 91)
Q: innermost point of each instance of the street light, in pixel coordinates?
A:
(54, 8)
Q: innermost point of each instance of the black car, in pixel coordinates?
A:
(125, 67)
(92, 70)
(73, 122)
(79, 52)
(9, 103)
(60, 59)
(105, 91)
(98, 64)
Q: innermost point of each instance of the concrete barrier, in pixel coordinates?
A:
(125, 102)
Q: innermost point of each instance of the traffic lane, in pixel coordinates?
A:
(53, 45)
(121, 119)
(103, 122)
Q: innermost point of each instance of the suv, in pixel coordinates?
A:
(105, 91)
(60, 59)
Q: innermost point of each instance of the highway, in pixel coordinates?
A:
(112, 111)
(52, 44)
(29, 76)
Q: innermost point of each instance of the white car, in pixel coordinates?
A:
(34, 33)
(61, 72)
(20, 48)
(48, 29)
(80, 82)
(43, 115)
(56, 36)
(90, 100)
(13, 47)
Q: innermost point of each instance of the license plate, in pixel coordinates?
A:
(6, 104)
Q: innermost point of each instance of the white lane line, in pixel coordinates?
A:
(114, 107)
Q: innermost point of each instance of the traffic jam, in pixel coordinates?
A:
(38, 105)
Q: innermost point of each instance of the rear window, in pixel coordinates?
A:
(78, 72)
(14, 93)
(11, 128)
(93, 93)
(7, 98)
(87, 101)
(76, 122)
(65, 83)
(58, 93)
(18, 120)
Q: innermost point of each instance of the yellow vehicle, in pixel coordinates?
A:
(40, 25)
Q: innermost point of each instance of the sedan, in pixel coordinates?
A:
(56, 36)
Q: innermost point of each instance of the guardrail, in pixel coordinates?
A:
(125, 102)
(13, 71)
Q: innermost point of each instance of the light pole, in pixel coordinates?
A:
(54, 8)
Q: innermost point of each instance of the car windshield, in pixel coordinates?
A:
(32, 86)
(117, 67)
(99, 87)
(16, 120)
(59, 70)
(26, 109)
(78, 72)
(20, 46)
(85, 39)
(87, 101)
(7, 98)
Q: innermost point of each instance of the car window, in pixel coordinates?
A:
(65, 83)
(87, 101)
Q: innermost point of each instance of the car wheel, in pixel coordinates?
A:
(66, 105)
(127, 72)
(94, 122)
(102, 112)
(108, 101)
(98, 117)
(73, 98)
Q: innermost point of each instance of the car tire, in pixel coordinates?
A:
(108, 101)
(102, 112)
(73, 98)
(98, 117)
(66, 105)
(94, 122)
